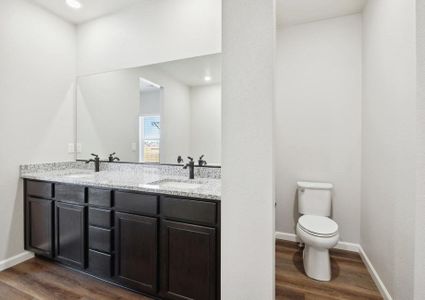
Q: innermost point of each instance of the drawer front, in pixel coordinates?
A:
(136, 203)
(70, 193)
(100, 197)
(39, 189)
(100, 264)
(189, 210)
(100, 239)
(100, 217)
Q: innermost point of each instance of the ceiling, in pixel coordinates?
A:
(91, 9)
(290, 12)
(192, 71)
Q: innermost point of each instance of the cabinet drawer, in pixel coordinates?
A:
(70, 193)
(189, 210)
(39, 189)
(100, 217)
(100, 264)
(100, 239)
(136, 203)
(100, 197)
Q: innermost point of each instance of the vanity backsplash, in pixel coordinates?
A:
(200, 172)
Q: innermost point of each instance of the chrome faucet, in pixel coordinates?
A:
(191, 166)
(96, 161)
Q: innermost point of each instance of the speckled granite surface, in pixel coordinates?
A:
(200, 172)
(130, 177)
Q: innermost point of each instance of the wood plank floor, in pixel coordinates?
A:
(43, 280)
(350, 278)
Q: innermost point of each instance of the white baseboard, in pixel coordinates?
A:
(341, 245)
(286, 236)
(17, 259)
(381, 287)
(348, 247)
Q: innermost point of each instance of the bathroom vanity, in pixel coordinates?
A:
(164, 244)
(146, 227)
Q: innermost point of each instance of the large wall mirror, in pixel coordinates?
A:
(152, 114)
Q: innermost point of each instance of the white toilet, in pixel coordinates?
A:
(318, 232)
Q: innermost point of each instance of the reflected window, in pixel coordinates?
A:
(150, 136)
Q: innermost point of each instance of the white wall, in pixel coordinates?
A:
(247, 211)
(205, 125)
(151, 32)
(318, 118)
(420, 156)
(389, 142)
(37, 59)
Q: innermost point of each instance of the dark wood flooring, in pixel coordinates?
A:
(350, 278)
(43, 280)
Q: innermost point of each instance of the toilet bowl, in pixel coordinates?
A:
(319, 234)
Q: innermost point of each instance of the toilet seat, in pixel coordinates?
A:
(318, 226)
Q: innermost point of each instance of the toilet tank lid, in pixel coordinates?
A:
(315, 185)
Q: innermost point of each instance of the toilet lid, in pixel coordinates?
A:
(317, 225)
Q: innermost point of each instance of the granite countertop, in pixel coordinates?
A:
(140, 180)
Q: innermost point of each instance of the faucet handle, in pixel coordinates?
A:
(91, 159)
(113, 158)
(201, 161)
(190, 158)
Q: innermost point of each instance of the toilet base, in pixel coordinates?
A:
(317, 263)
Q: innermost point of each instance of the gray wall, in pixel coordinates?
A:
(389, 140)
(247, 151)
(318, 118)
(420, 178)
(37, 59)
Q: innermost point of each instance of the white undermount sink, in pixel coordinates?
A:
(176, 184)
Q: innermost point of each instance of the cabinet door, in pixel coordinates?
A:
(70, 225)
(39, 226)
(188, 261)
(136, 259)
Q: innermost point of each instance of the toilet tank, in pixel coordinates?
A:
(314, 198)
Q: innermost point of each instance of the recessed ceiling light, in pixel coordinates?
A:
(207, 78)
(75, 4)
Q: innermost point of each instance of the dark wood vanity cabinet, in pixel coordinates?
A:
(39, 226)
(162, 246)
(136, 257)
(188, 261)
(70, 234)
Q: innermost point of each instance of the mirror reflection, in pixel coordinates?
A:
(152, 114)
